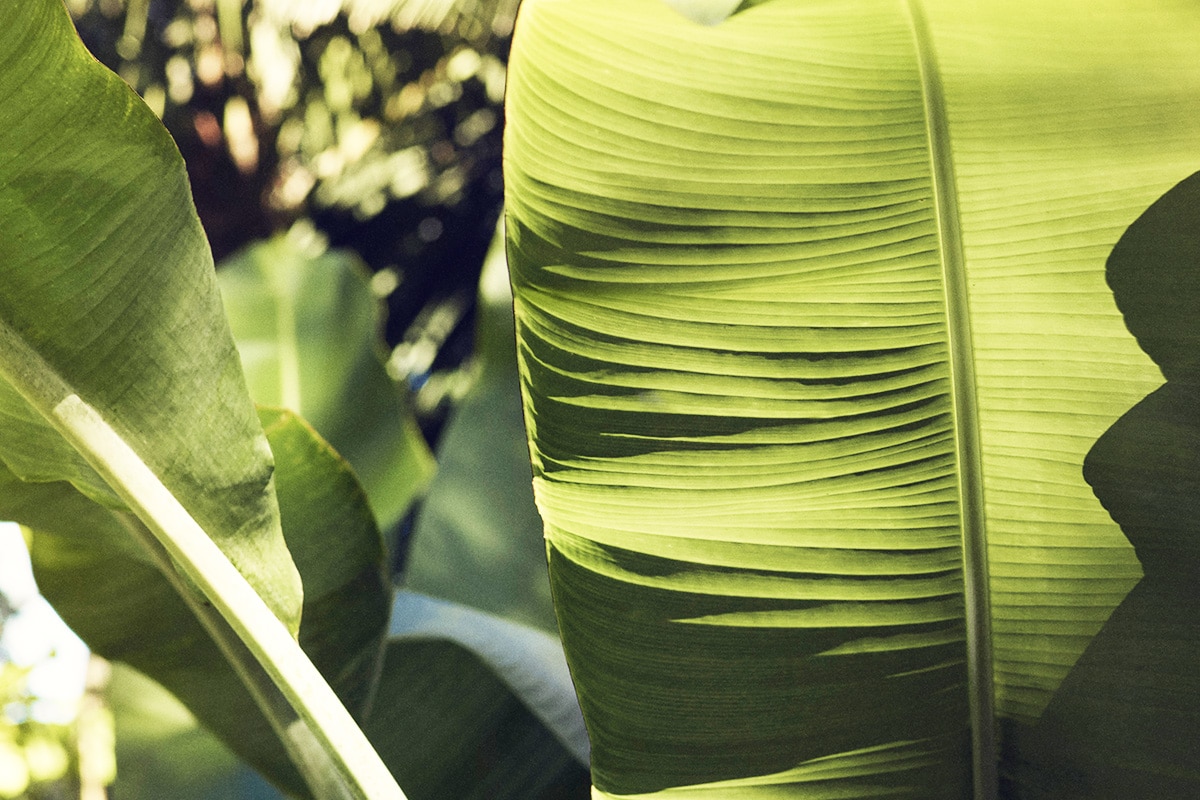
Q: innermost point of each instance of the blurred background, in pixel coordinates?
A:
(366, 128)
(377, 122)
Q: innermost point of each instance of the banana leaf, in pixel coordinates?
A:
(477, 538)
(110, 318)
(307, 329)
(120, 384)
(843, 329)
(115, 597)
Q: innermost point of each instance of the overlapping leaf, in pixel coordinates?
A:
(432, 698)
(109, 305)
(308, 331)
(116, 598)
(478, 537)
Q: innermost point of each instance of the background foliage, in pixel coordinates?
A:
(373, 128)
(378, 122)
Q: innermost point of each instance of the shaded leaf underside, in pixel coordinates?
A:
(115, 597)
(478, 537)
(733, 340)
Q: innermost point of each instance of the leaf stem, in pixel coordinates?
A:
(314, 764)
(318, 708)
(966, 416)
(323, 731)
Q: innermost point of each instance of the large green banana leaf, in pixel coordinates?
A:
(109, 306)
(435, 698)
(816, 333)
(112, 593)
(119, 377)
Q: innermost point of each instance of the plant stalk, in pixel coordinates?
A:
(323, 726)
(968, 447)
(323, 734)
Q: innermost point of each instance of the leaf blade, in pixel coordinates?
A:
(632, 250)
(1036, 236)
(711, 353)
(307, 329)
(109, 289)
(117, 599)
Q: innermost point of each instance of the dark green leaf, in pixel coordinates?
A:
(484, 744)
(478, 537)
(108, 300)
(108, 590)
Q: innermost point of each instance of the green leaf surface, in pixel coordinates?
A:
(528, 660)
(1123, 722)
(478, 537)
(477, 720)
(112, 594)
(483, 744)
(460, 704)
(449, 723)
(108, 302)
(706, 12)
(814, 336)
(307, 329)
(469, 706)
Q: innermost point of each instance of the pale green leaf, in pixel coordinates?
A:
(706, 12)
(111, 331)
(162, 752)
(308, 331)
(815, 334)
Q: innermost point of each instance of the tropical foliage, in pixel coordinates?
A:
(842, 331)
(828, 389)
(130, 444)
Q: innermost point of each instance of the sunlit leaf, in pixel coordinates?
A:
(706, 12)
(815, 336)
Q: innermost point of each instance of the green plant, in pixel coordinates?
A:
(178, 528)
(379, 124)
(823, 378)
(840, 436)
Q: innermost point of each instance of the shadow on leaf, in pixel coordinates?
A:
(1126, 722)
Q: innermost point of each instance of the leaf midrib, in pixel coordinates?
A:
(287, 336)
(966, 412)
